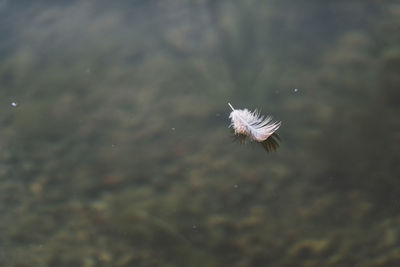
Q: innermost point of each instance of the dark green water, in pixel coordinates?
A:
(114, 140)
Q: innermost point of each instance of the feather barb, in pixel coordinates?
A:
(252, 125)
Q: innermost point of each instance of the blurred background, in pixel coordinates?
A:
(115, 148)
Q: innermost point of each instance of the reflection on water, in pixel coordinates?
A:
(269, 145)
(115, 148)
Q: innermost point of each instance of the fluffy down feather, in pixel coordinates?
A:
(252, 124)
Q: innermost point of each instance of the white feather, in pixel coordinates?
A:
(252, 124)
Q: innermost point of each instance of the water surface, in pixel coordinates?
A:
(115, 148)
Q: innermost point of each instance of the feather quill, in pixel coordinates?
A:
(252, 125)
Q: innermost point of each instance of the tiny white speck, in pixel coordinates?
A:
(235, 186)
(14, 104)
(173, 128)
(296, 90)
(194, 226)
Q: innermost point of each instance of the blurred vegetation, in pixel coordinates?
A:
(117, 152)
